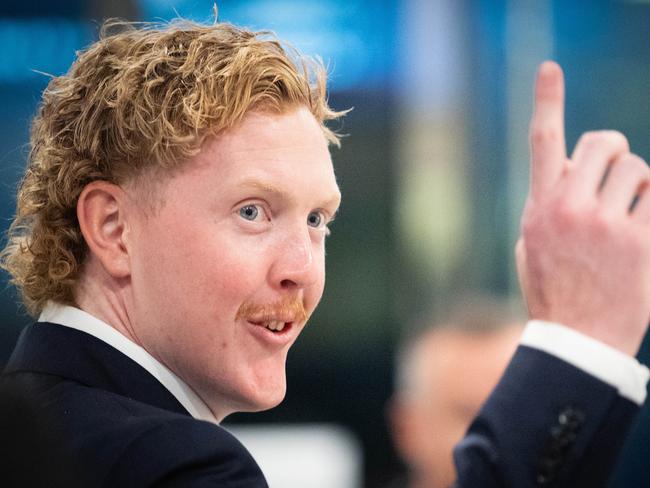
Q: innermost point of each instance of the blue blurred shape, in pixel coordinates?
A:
(36, 46)
(355, 38)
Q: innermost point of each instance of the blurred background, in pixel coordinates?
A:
(433, 173)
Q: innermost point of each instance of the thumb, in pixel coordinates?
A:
(522, 270)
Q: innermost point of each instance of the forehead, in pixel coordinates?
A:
(270, 150)
(293, 127)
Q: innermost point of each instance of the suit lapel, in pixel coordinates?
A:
(75, 355)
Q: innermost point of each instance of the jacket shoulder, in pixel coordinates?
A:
(124, 442)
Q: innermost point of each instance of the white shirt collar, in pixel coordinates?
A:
(76, 318)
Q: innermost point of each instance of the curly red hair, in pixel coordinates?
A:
(143, 97)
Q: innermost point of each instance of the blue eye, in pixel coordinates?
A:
(315, 219)
(249, 212)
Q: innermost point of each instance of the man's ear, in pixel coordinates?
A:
(101, 211)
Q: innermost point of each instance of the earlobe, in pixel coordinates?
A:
(101, 211)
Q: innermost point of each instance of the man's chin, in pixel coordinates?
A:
(268, 402)
(259, 399)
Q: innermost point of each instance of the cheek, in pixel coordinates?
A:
(314, 293)
(195, 268)
(222, 274)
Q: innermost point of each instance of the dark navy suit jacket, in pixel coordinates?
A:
(546, 424)
(123, 427)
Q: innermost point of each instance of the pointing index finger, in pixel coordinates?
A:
(548, 149)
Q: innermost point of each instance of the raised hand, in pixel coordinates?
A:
(584, 252)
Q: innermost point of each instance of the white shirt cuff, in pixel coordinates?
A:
(609, 365)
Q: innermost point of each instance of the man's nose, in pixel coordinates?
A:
(295, 266)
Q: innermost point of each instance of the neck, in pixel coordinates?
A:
(111, 301)
(106, 298)
(422, 479)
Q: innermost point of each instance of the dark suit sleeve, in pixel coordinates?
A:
(185, 453)
(546, 424)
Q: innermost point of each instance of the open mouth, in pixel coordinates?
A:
(275, 326)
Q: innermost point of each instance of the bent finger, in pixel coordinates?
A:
(641, 210)
(591, 158)
(628, 174)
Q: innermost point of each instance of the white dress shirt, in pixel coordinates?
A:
(609, 365)
(78, 319)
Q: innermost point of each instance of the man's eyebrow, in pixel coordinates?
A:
(334, 201)
(265, 187)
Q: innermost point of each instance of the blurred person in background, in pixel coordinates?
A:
(170, 240)
(444, 373)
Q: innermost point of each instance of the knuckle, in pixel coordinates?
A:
(520, 250)
(566, 214)
(632, 163)
(590, 139)
(544, 134)
(610, 138)
(602, 223)
(617, 138)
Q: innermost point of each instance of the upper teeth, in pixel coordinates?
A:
(275, 325)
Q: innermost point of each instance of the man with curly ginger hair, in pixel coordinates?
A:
(170, 236)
